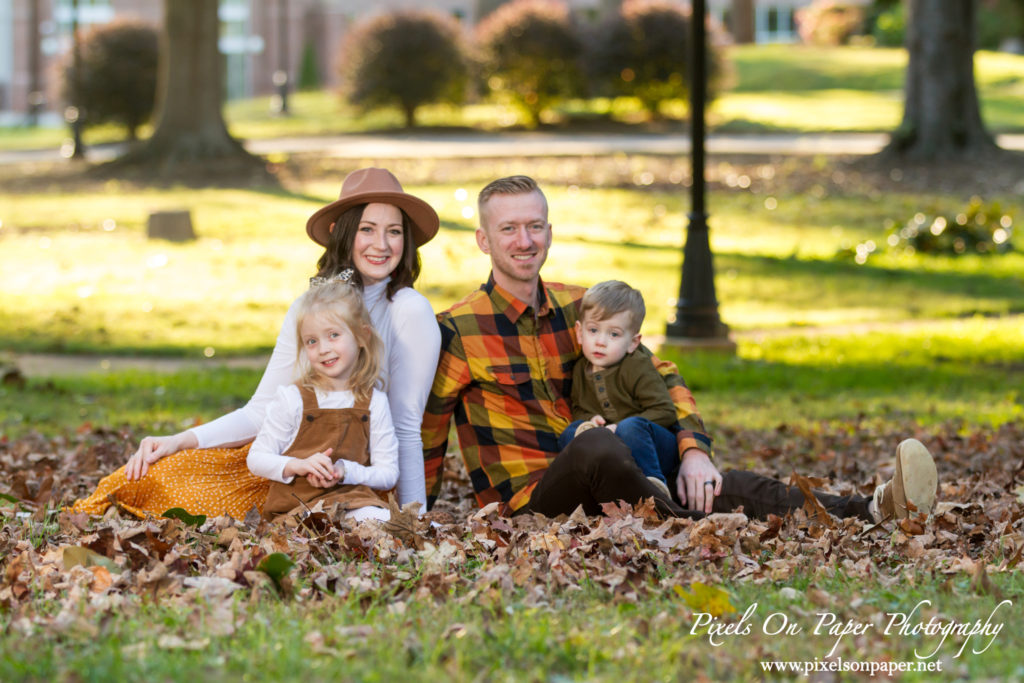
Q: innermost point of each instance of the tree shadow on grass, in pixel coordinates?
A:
(892, 286)
(813, 276)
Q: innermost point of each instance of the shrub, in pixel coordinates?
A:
(117, 82)
(529, 53)
(825, 22)
(309, 71)
(643, 51)
(979, 229)
(999, 20)
(404, 59)
(889, 26)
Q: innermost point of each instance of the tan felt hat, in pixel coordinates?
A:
(370, 186)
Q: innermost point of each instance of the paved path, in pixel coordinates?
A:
(525, 144)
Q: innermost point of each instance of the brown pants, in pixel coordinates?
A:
(596, 467)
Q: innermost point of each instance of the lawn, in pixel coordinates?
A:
(80, 275)
(770, 88)
(483, 598)
(836, 362)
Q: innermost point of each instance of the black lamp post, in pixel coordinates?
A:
(696, 320)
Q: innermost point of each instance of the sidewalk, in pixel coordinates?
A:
(525, 144)
(55, 365)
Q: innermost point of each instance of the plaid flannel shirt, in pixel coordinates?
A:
(505, 373)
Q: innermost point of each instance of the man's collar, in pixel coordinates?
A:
(507, 304)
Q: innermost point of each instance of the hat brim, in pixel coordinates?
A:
(425, 222)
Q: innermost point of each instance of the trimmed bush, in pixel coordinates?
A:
(309, 72)
(826, 22)
(890, 26)
(529, 55)
(980, 228)
(643, 51)
(117, 82)
(998, 21)
(404, 59)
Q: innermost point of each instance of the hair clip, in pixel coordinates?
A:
(344, 277)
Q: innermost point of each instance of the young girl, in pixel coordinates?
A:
(329, 437)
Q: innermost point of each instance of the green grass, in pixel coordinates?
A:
(79, 274)
(806, 89)
(570, 637)
(774, 88)
(515, 635)
(968, 371)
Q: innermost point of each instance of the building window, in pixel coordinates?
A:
(775, 23)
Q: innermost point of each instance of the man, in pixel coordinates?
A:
(507, 353)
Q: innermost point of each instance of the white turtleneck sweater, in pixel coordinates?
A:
(412, 344)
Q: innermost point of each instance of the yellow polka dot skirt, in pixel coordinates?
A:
(203, 481)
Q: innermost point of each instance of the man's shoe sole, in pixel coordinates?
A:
(916, 479)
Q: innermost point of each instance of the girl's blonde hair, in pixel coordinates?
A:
(341, 302)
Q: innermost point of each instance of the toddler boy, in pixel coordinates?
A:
(615, 385)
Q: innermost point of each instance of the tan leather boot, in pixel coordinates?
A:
(912, 488)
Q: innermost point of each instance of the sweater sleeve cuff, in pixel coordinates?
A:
(687, 440)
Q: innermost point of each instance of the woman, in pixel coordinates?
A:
(375, 228)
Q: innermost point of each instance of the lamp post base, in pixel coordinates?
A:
(723, 345)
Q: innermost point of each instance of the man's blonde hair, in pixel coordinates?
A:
(513, 184)
(612, 297)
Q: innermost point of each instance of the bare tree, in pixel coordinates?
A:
(190, 92)
(941, 116)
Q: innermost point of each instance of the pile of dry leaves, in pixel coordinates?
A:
(478, 555)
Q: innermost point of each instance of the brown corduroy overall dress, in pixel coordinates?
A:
(347, 431)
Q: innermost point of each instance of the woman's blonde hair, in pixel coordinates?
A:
(341, 302)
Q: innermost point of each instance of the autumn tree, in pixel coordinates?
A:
(529, 54)
(405, 59)
(941, 116)
(643, 51)
(190, 126)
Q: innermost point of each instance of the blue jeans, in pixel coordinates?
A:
(653, 447)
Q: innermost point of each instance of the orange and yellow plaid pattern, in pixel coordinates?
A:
(505, 373)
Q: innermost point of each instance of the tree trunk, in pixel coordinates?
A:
(741, 21)
(190, 126)
(941, 116)
(409, 112)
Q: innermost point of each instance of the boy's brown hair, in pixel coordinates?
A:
(611, 297)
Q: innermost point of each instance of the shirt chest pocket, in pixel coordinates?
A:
(513, 380)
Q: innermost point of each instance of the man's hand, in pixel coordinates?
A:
(698, 481)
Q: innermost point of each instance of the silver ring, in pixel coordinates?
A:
(709, 481)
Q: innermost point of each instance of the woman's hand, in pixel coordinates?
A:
(698, 481)
(152, 448)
